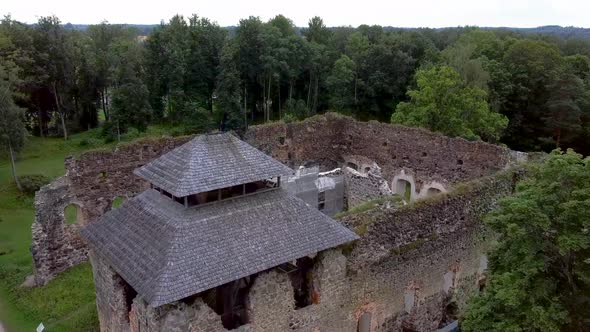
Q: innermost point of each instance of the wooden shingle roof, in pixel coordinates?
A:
(167, 252)
(210, 162)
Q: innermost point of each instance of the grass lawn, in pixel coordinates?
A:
(67, 302)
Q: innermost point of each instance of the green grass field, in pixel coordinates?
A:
(67, 302)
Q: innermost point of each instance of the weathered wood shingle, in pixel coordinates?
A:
(167, 252)
(210, 162)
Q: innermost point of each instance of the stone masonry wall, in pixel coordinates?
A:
(407, 267)
(393, 230)
(271, 302)
(327, 140)
(362, 187)
(97, 178)
(111, 296)
(56, 245)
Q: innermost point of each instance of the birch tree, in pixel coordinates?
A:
(12, 129)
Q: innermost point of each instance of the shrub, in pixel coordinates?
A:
(89, 142)
(32, 183)
(131, 134)
(178, 131)
(289, 117)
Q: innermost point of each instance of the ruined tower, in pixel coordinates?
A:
(215, 216)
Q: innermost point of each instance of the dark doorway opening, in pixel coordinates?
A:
(301, 280)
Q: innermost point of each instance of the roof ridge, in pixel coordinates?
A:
(210, 162)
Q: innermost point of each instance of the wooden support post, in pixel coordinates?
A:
(218, 194)
(279, 182)
(185, 201)
(244, 189)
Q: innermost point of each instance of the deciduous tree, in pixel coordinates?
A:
(444, 104)
(12, 129)
(539, 272)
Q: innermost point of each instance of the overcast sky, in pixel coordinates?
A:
(406, 13)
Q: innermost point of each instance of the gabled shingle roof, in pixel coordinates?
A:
(210, 162)
(167, 252)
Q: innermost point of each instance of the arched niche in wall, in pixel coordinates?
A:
(409, 299)
(352, 165)
(448, 281)
(73, 214)
(404, 186)
(432, 189)
(364, 323)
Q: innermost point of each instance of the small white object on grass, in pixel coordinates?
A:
(40, 328)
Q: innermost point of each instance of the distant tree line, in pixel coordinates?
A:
(531, 92)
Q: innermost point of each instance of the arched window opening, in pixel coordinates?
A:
(364, 324)
(352, 165)
(450, 316)
(404, 189)
(432, 191)
(73, 214)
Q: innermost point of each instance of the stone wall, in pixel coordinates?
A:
(407, 267)
(365, 186)
(112, 296)
(96, 178)
(91, 183)
(56, 245)
(271, 302)
(328, 140)
(393, 230)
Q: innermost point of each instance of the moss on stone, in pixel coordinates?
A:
(413, 245)
(367, 206)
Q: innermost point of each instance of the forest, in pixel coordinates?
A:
(109, 83)
(528, 91)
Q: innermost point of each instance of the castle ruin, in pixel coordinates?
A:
(410, 266)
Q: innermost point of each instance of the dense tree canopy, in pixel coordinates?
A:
(539, 277)
(193, 72)
(445, 103)
(530, 92)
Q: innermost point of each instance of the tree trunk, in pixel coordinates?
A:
(268, 98)
(245, 109)
(264, 99)
(355, 83)
(103, 99)
(316, 95)
(40, 116)
(118, 132)
(59, 111)
(63, 125)
(309, 91)
(279, 87)
(16, 181)
(557, 137)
